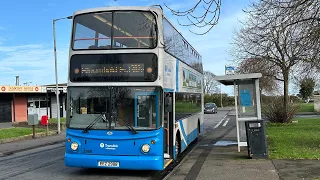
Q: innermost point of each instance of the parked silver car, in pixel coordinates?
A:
(210, 108)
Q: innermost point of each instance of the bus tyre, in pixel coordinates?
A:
(178, 146)
(198, 129)
(198, 132)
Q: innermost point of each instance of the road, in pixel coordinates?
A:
(213, 121)
(47, 162)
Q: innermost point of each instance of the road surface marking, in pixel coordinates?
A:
(225, 123)
(220, 122)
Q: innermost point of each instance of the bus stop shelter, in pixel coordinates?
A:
(247, 101)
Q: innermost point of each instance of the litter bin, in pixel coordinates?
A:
(256, 139)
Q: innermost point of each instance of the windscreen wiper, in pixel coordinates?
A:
(129, 126)
(102, 115)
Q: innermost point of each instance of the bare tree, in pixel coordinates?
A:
(300, 10)
(210, 84)
(270, 34)
(269, 71)
(209, 15)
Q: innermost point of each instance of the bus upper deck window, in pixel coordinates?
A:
(114, 30)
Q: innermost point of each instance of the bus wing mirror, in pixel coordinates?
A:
(168, 104)
(167, 101)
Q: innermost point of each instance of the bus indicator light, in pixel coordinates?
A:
(149, 70)
(76, 70)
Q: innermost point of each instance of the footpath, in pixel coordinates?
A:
(216, 156)
(23, 145)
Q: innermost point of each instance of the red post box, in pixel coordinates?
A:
(44, 120)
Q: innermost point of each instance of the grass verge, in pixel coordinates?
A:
(306, 107)
(299, 140)
(17, 132)
(54, 120)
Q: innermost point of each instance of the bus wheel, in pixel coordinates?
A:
(198, 128)
(178, 146)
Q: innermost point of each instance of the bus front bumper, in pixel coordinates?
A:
(116, 162)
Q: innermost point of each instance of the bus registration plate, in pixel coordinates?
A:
(108, 164)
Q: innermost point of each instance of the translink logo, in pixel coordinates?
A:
(108, 146)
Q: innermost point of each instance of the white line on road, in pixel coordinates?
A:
(220, 122)
(225, 123)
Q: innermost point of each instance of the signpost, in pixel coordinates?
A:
(229, 70)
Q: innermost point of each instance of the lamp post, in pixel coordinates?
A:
(56, 69)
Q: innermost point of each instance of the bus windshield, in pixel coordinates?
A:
(120, 105)
(114, 30)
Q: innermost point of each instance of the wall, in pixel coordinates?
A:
(54, 105)
(20, 107)
(64, 106)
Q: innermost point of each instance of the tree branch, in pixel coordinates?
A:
(211, 7)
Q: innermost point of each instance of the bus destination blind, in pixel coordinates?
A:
(94, 70)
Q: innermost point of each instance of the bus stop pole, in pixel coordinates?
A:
(236, 107)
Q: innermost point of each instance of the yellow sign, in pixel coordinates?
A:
(83, 110)
(22, 89)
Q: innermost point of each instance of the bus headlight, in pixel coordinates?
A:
(74, 146)
(145, 148)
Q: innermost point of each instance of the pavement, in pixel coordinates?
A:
(5, 125)
(216, 157)
(18, 146)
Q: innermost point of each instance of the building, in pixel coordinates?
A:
(16, 102)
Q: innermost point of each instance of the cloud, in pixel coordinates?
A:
(21, 47)
(32, 62)
(6, 69)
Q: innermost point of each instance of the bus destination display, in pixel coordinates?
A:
(132, 69)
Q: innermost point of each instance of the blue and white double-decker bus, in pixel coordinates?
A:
(135, 90)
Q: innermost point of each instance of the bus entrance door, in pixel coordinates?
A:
(168, 127)
(146, 109)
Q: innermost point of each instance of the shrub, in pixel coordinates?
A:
(216, 98)
(274, 110)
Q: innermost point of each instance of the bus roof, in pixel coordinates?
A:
(110, 8)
